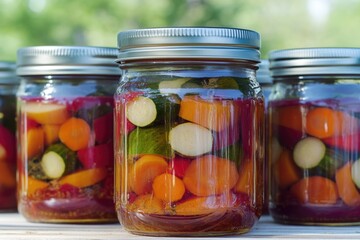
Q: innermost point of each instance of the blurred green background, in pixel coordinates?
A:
(282, 23)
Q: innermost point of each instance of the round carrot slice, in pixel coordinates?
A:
(209, 175)
(75, 133)
(168, 187)
(144, 171)
(320, 122)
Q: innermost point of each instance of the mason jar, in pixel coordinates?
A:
(65, 131)
(8, 87)
(188, 132)
(314, 132)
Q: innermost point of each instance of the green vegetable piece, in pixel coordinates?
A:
(141, 111)
(149, 141)
(35, 170)
(172, 86)
(308, 152)
(190, 139)
(328, 164)
(167, 108)
(355, 172)
(232, 152)
(144, 111)
(58, 160)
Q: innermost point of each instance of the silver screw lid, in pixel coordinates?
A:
(67, 60)
(189, 43)
(7, 73)
(263, 73)
(315, 61)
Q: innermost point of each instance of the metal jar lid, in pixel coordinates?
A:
(315, 61)
(7, 73)
(67, 60)
(189, 43)
(263, 73)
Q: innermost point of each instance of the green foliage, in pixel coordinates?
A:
(282, 23)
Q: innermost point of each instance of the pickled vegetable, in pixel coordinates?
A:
(190, 139)
(46, 113)
(191, 164)
(144, 171)
(68, 160)
(57, 161)
(317, 169)
(346, 187)
(309, 152)
(149, 141)
(214, 114)
(8, 152)
(141, 111)
(355, 173)
(316, 190)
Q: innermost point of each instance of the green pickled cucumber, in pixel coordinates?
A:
(58, 160)
(149, 141)
(147, 111)
(332, 160)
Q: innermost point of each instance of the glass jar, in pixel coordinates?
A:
(188, 132)
(314, 132)
(8, 87)
(65, 127)
(264, 78)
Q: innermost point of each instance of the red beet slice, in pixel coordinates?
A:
(349, 142)
(97, 156)
(288, 137)
(178, 165)
(103, 128)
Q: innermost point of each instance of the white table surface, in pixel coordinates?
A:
(14, 226)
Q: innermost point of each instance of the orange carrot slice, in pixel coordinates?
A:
(84, 178)
(75, 133)
(144, 171)
(320, 122)
(34, 141)
(3, 153)
(147, 204)
(205, 205)
(7, 175)
(212, 114)
(316, 190)
(168, 187)
(245, 183)
(34, 184)
(51, 133)
(285, 171)
(346, 187)
(46, 113)
(209, 175)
